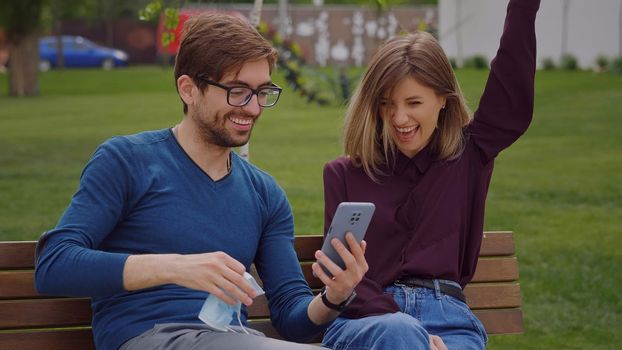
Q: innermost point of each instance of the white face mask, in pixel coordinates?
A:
(218, 314)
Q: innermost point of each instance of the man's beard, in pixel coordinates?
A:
(214, 131)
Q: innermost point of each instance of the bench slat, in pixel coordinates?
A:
(494, 243)
(497, 243)
(17, 255)
(493, 295)
(51, 313)
(73, 339)
(479, 296)
(46, 312)
(307, 245)
(17, 284)
(502, 269)
(502, 321)
(20, 284)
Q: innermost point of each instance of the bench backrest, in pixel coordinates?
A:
(31, 321)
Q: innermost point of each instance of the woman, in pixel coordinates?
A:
(412, 149)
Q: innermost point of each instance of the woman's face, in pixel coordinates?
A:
(411, 113)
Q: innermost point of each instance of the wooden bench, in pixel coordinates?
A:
(31, 321)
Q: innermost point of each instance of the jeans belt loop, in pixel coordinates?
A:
(437, 289)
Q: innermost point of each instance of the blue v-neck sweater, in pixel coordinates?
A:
(142, 194)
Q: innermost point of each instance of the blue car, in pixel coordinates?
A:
(79, 52)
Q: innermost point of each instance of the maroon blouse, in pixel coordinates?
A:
(430, 214)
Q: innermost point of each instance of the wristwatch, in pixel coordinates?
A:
(337, 307)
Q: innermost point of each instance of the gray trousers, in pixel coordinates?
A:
(191, 336)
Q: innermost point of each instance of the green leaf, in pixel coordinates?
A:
(151, 11)
(167, 38)
(171, 18)
(383, 4)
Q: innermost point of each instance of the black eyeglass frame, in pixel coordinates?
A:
(250, 97)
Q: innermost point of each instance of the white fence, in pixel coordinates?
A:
(472, 27)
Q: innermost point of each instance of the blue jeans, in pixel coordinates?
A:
(424, 312)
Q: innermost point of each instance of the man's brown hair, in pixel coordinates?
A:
(215, 44)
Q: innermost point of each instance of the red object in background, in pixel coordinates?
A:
(184, 14)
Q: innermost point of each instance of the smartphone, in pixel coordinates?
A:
(349, 217)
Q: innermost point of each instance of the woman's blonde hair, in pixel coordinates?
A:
(367, 139)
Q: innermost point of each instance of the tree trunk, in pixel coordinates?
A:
(565, 9)
(60, 57)
(109, 27)
(56, 8)
(24, 60)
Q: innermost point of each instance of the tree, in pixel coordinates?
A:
(21, 20)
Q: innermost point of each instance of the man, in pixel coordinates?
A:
(162, 218)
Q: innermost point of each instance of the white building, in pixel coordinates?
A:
(473, 27)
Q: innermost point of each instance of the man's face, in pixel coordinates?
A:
(222, 124)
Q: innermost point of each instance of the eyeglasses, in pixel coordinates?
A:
(239, 96)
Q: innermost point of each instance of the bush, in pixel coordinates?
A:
(602, 62)
(548, 64)
(616, 65)
(569, 62)
(453, 62)
(477, 62)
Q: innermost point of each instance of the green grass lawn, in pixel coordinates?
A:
(559, 187)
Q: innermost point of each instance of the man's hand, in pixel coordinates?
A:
(341, 286)
(216, 273)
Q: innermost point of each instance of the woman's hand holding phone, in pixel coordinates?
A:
(340, 286)
(341, 262)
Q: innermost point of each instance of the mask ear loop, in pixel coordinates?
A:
(251, 280)
(241, 325)
(239, 321)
